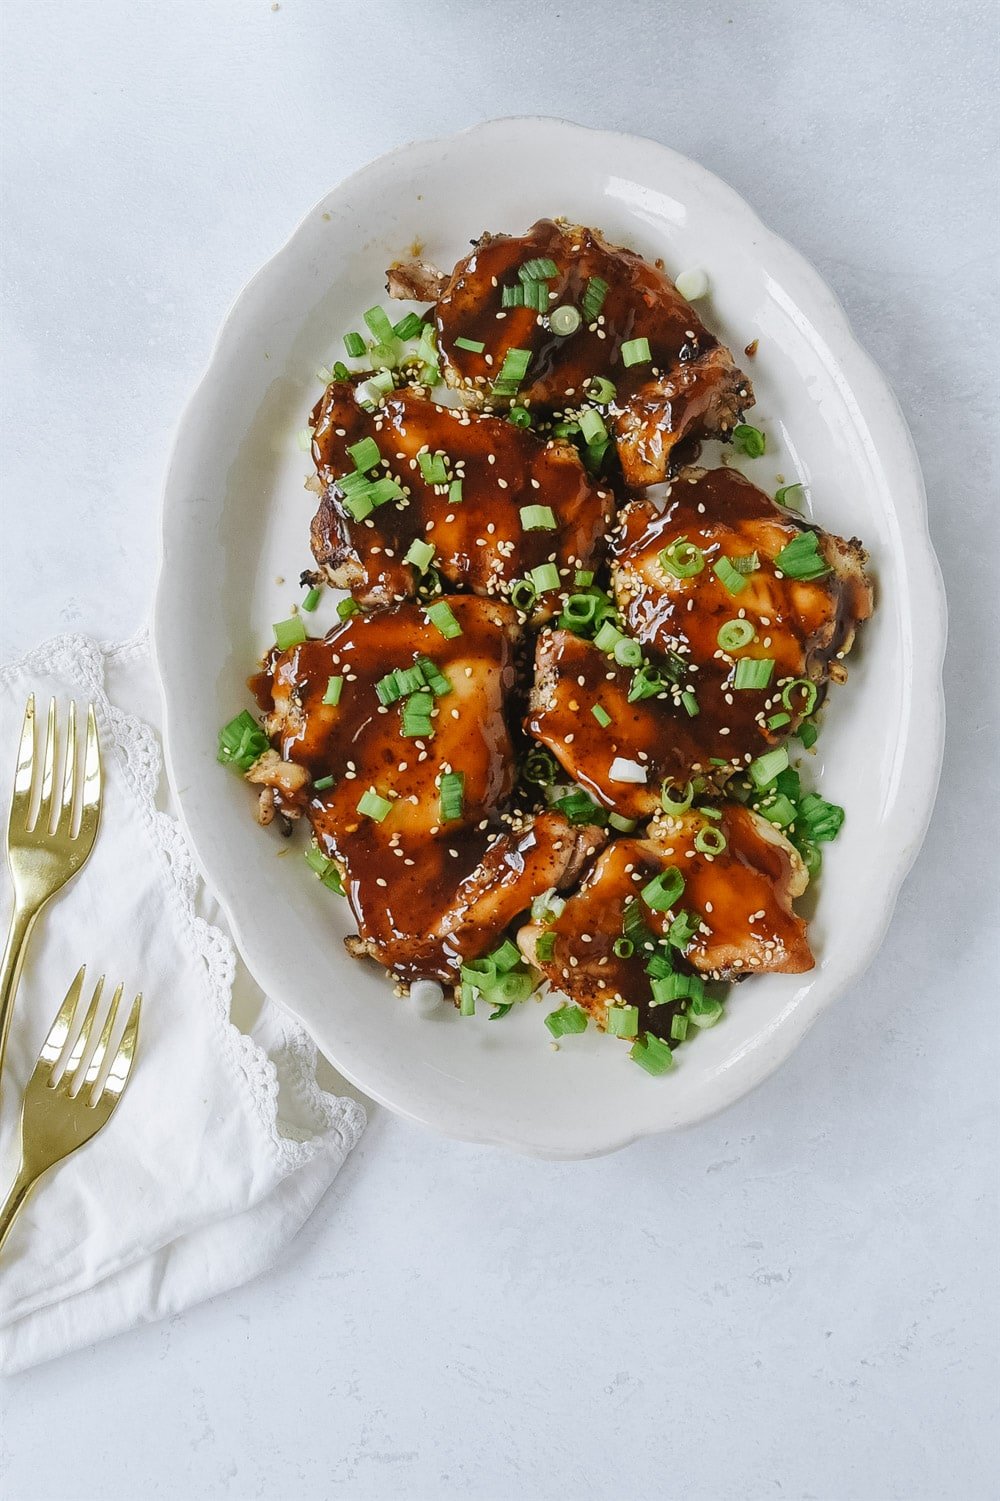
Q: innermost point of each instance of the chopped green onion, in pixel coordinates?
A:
(579, 610)
(578, 807)
(682, 559)
(734, 634)
(355, 345)
(340, 371)
(608, 636)
(435, 679)
(289, 633)
(416, 719)
(778, 810)
(536, 295)
(704, 1011)
(564, 320)
(660, 964)
(652, 1054)
(452, 793)
(681, 931)
(678, 1027)
(523, 595)
(753, 672)
(712, 813)
(664, 889)
(334, 689)
(749, 440)
(420, 554)
(408, 327)
(510, 988)
(325, 869)
(593, 297)
(358, 506)
(790, 496)
(623, 947)
(519, 416)
(646, 683)
(628, 653)
(634, 924)
(822, 820)
(729, 577)
(623, 1021)
(542, 268)
(365, 455)
(500, 1010)
(709, 841)
(544, 577)
(636, 352)
(512, 372)
(474, 346)
(313, 598)
(546, 907)
(601, 390)
(802, 559)
(241, 742)
(809, 695)
(323, 784)
(467, 1001)
(811, 857)
(676, 987)
(379, 324)
(505, 957)
(455, 493)
(592, 425)
(373, 805)
(747, 562)
(441, 616)
(776, 721)
(601, 715)
(676, 803)
(690, 703)
(566, 1020)
(623, 825)
(348, 607)
(538, 519)
(512, 296)
(808, 733)
(766, 767)
(545, 946)
(389, 689)
(433, 468)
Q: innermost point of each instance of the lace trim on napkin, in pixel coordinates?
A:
(137, 748)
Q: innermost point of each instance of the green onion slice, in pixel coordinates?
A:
(474, 346)
(420, 554)
(734, 634)
(313, 598)
(365, 454)
(682, 930)
(766, 767)
(542, 268)
(710, 841)
(566, 1020)
(674, 801)
(682, 559)
(545, 946)
(523, 595)
(790, 496)
(564, 320)
(348, 607)
(512, 372)
(690, 703)
(433, 468)
(664, 889)
(601, 390)
(593, 297)
(636, 352)
(809, 694)
(241, 742)
(753, 672)
(729, 577)
(538, 519)
(379, 324)
(289, 633)
(623, 947)
(544, 577)
(802, 559)
(749, 440)
(704, 1011)
(373, 805)
(334, 689)
(652, 1054)
(519, 417)
(355, 345)
(441, 616)
(408, 327)
(601, 715)
(623, 1021)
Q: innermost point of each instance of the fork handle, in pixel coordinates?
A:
(12, 1205)
(21, 923)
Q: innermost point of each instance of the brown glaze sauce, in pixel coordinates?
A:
(741, 897)
(641, 302)
(480, 541)
(799, 625)
(572, 677)
(418, 888)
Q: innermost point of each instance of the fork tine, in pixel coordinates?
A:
(121, 1067)
(90, 810)
(80, 1046)
(44, 819)
(100, 1052)
(20, 806)
(65, 822)
(61, 1027)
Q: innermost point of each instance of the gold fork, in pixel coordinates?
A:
(60, 1114)
(43, 855)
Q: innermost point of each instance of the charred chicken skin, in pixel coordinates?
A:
(703, 581)
(681, 383)
(491, 500)
(427, 892)
(732, 916)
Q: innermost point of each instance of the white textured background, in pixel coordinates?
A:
(797, 1300)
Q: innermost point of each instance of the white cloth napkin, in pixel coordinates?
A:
(223, 1142)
